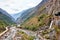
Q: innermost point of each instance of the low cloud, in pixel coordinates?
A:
(14, 6)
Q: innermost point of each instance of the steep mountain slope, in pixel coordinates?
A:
(39, 19)
(5, 18)
(45, 14)
(30, 12)
(25, 15)
(15, 16)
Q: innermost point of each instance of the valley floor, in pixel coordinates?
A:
(21, 34)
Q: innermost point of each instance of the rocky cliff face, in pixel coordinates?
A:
(53, 6)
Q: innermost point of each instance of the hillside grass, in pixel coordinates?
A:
(2, 26)
(4, 21)
(36, 22)
(25, 36)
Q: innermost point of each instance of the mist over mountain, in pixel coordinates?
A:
(25, 14)
(15, 16)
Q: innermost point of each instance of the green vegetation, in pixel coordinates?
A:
(4, 21)
(41, 19)
(36, 22)
(57, 29)
(32, 27)
(2, 26)
(25, 36)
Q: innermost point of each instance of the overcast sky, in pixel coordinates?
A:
(15, 6)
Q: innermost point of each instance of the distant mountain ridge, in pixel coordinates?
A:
(4, 12)
(15, 16)
(5, 18)
(26, 14)
(32, 11)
